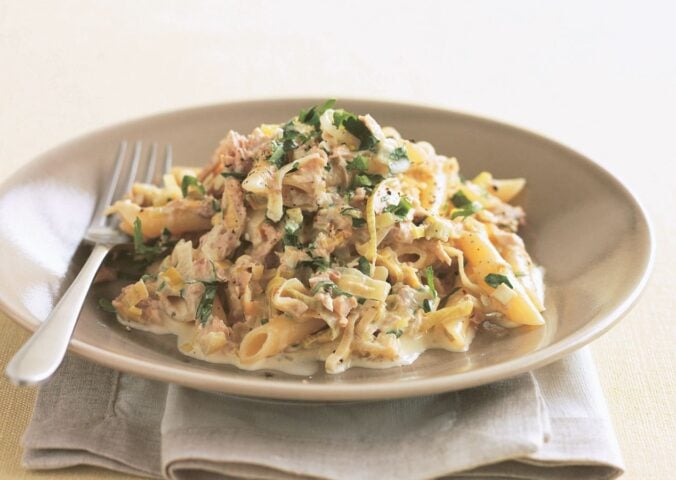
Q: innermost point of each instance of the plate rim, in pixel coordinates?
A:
(267, 388)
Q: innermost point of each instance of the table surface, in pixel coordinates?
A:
(596, 76)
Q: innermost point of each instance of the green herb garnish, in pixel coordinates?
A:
(311, 116)
(399, 161)
(364, 266)
(264, 321)
(362, 181)
(329, 287)
(355, 214)
(398, 154)
(290, 236)
(351, 123)
(148, 252)
(277, 154)
(237, 175)
(190, 181)
(365, 180)
(291, 139)
(106, 305)
(206, 304)
(460, 200)
(495, 279)
(397, 333)
(358, 164)
(427, 305)
(350, 211)
(316, 263)
(401, 209)
(466, 210)
(429, 276)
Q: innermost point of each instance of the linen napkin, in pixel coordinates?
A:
(548, 424)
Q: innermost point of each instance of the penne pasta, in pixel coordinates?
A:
(275, 336)
(486, 260)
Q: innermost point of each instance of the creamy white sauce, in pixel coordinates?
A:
(299, 362)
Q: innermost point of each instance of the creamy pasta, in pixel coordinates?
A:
(326, 238)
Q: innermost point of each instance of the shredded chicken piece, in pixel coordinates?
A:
(224, 237)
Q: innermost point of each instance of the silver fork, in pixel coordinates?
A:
(42, 354)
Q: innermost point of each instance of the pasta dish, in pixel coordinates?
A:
(328, 238)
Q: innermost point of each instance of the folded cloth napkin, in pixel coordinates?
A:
(549, 424)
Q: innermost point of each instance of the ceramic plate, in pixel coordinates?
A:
(583, 226)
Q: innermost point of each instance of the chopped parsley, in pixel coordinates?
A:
(397, 333)
(206, 304)
(294, 167)
(290, 236)
(291, 139)
(466, 210)
(106, 305)
(329, 287)
(427, 305)
(351, 123)
(495, 279)
(316, 263)
(362, 181)
(148, 277)
(399, 153)
(148, 252)
(350, 211)
(322, 286)
(365, 180)
(311, 115)
(364, 266)
(429, 276)
(264, 321)
(399, 161)
(237, 175)
(358, 164)
(355, 214)
(277, 154)
(401, 209)
(190, 181)
(460, 200)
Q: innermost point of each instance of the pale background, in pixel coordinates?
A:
(597, 76)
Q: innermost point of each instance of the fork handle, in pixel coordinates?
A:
(42, 354)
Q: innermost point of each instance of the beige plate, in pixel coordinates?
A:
(584, 227)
